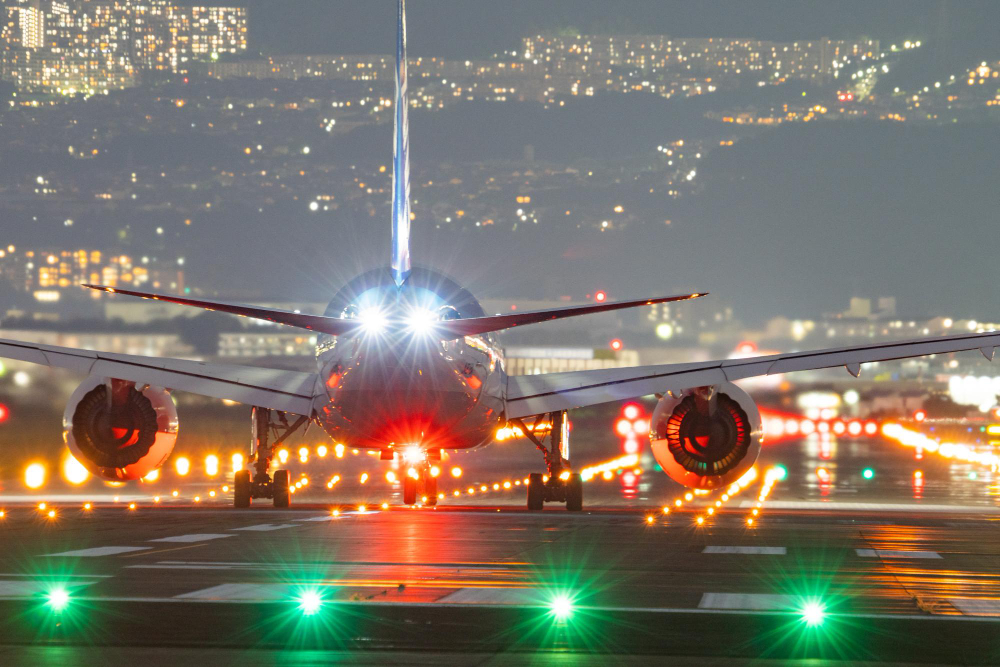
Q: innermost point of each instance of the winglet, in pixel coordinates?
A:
(401, 162)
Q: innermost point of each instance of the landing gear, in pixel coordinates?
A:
(422, 488)
(559, 485)
(262, 447)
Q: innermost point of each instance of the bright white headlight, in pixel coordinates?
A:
(372, 320)
(421, 320)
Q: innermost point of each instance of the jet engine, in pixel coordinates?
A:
(120, 430)
(706, 437)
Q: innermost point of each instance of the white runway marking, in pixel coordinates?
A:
(265, 527)
(769, 551)
(889, 553)
(194, 537)
(976, 606)
(746, 601)
(252, 592)
(870, 507)
(518, 596)
(98, 551)
(28, 588)
(328, 517)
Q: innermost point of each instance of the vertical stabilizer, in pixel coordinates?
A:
(401, 162)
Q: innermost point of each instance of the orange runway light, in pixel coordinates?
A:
(52, 514)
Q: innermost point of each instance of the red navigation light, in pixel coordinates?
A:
(920, 415)
(616, 344)
(4, 413)
(746, 347)
(600, 296)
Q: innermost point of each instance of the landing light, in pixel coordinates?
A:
(421, 320)
(372, 320)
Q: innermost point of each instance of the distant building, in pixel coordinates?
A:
(90, 47)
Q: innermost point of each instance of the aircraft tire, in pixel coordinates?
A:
(279, 485)
(574, 493)
(241, 489)
(536, 492)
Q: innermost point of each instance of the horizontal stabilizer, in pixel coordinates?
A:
(328, 325)
(479, 325)
(445, 330)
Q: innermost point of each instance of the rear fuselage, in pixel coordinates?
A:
(397, 384)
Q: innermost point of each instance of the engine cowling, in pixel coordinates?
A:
(119, 430)
(706, 437)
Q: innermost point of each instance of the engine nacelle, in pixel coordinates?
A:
(706, 437)
(118, 430)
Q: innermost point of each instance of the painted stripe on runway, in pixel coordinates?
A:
(976, 606)
(29, 588)
(254, 592)
(193, 537)
(870, 507)
(518, 596)
(98, 551)
(768, 551)
(890, 553)
(746, 601)
(266, 527)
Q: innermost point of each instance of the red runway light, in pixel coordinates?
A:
(601, 296)
(4, 413)
(616, 344)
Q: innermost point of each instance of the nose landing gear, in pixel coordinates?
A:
(262, 448)
(560, 485)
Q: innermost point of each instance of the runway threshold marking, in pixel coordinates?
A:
(29, 588)
(193, 537)
(891, 553)
(98, 551)
(767, 551)
(747, 601)
(243, 592)
(976, 606)
(486, 595)
(266, 527)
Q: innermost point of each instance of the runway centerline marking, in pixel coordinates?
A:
(193, 537)
(98, 551)
(163, 551)
(266, 527)
(769, 551)
(890, 553)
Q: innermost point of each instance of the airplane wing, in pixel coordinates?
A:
(446, 330)
(529, 395)
(290, 391)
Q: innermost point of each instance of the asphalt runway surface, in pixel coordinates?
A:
(835, 568)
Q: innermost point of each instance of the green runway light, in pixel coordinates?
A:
(310, 602)
(57, 599)
(867, 473)
(561, 608)
(813, 614)
(780, 472)
(973, 476)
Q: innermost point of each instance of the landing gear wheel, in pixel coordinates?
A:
(574, 493)
(409, 490)
(280, 488)
(430, 489)
(536, 491)
(241, 489)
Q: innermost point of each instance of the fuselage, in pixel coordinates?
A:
(398, 385)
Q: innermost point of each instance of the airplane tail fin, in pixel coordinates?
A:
(401, 162)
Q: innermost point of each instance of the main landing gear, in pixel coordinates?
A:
(559, 485)
(419, 481)
(262, 447)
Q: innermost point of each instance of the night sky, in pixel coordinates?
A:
(463, 28)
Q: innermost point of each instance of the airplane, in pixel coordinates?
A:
(408, 364)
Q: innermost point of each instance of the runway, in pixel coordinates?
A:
(464, 581)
